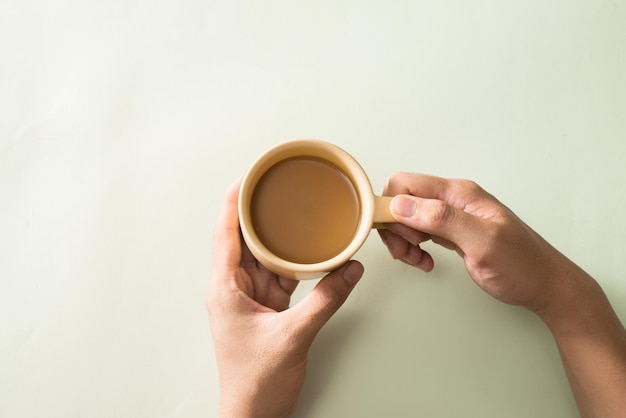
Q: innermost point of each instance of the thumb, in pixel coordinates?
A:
(437, 218)
(327, 297)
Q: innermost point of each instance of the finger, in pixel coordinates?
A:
(226, 236)
(227, 255)
(257, 274)
(419, 258)
(400, 249)
(248, 261)
(444, 242)
(312, 312)
(438, 218)
(413, 236)
(288, 285)
(396, 245)
(456, 192)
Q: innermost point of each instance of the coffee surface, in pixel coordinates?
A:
(305, 210)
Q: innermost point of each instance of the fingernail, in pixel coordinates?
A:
(353, 273)
(403, 206)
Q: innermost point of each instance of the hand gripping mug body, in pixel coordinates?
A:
(306, 207)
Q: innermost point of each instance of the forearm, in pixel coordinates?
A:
(259, 393)
(592, 344)
(246, 405)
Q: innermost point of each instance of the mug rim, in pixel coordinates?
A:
(309, 148)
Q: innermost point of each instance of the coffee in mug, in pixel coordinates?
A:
(306, 207)
(305, 210)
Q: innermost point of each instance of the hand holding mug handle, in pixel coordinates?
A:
(512, 263)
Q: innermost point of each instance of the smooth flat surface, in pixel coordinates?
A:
(122, 122)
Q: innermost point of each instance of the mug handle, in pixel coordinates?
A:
(382, 214)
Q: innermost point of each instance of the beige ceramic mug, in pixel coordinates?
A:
(306, 207)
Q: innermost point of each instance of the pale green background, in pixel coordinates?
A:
(122, 122)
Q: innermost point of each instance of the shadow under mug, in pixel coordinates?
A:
(373, 210)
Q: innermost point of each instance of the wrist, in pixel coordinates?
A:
(248, 399)
(236, 405)
(591, 342)
(243, 407)
(576, 305)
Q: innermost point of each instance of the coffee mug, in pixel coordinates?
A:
(306, 207)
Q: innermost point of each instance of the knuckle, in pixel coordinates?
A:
(469, 186)
(331, 300)
(395, 177)
(399, 182)
(439, 212)
(395, 182)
